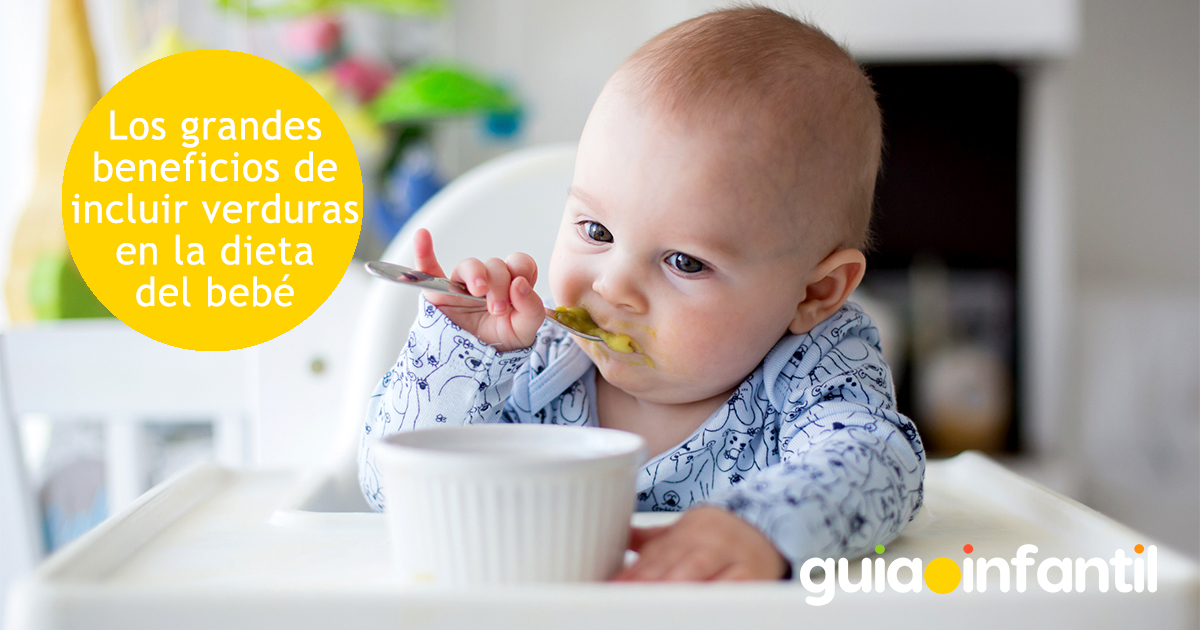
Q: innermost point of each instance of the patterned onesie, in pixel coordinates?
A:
(809, 448)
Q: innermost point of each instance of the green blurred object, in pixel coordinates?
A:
(292, 8)
(57, 291)
(439, 91)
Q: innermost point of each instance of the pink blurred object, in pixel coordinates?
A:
(361, 78)
(313, 37)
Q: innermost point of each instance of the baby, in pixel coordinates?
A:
(720, 202)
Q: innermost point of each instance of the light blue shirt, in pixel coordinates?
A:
(809, 448)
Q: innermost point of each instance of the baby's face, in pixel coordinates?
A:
(670, 238)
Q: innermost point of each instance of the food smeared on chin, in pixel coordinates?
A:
(578, 318)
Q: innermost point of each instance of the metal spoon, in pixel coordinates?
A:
(412, 277)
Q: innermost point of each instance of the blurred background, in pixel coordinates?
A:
(1038, 228)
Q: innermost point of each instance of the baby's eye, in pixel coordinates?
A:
(597, 232)
(685, 263)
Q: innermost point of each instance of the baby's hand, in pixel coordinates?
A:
(707, 543)
(513, 313)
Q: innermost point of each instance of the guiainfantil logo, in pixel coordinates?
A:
(943, 575)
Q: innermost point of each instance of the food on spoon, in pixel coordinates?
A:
(578, 318)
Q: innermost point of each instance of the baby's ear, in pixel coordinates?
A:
(830, 283)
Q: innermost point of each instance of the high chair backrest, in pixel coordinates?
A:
(512, 203)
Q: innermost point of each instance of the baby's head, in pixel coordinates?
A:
(721, 197)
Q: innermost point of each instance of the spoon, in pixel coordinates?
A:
(412, 277)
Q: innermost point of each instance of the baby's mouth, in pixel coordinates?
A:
(627, 348)
(578, 318)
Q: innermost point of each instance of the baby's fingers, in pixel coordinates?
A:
(701, 563)
(639, 536)
(735, 573)
(499, 281)
(514, 311)
(522, 264)
(528, 311)
(655, 561)
(426, 261)
(473, 273)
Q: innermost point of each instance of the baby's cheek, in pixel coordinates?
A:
(690, 358)
(695, 339)
(714, 358)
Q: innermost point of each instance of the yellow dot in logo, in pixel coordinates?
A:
(942, 575)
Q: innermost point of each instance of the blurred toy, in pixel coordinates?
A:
(59, 292)
(502, 124)
(314, 42)
(440, 91)
(368, 137)
(414, 99)
(362, 78)
(406, 187)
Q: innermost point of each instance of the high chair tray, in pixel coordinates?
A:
(207, 550)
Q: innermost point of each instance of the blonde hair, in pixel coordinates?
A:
(810, 106)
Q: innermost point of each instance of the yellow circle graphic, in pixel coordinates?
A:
(942, 575)
(212, 200)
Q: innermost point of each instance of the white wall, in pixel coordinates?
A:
(1137, 187)
(1135, 86)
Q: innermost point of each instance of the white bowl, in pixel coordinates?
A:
(509, 502)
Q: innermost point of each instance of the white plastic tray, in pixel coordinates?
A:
(210, 549)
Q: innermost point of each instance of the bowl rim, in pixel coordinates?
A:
(392, 448)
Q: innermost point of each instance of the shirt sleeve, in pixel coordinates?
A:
(851, 468)
(445, 376)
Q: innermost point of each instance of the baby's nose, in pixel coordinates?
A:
(620, 289)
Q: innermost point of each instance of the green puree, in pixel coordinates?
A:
(578, 318)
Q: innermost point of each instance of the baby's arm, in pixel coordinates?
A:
(853, 481)
(852, 468)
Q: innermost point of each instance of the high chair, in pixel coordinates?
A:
(219, 548)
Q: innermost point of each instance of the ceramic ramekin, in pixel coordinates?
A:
(509, 502)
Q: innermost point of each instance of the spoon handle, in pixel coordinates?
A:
(412, 277)
(404, 275)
